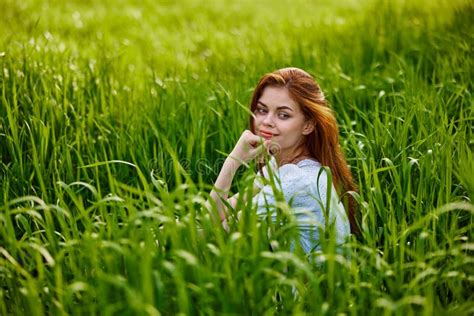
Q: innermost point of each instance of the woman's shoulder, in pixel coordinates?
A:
(308, 175)
(304, 174)
(304, 169)
(309, 164)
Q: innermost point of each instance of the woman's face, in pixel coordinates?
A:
(279, 118)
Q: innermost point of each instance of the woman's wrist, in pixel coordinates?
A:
(232, 163)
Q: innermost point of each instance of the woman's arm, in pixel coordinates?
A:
(220, 192)
(247, 148)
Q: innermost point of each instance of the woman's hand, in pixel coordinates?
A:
(248, 147)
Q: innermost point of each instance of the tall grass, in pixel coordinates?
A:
(115, 119)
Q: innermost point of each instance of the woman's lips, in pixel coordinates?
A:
(266, 135)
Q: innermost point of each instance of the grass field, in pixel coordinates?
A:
(115, 119)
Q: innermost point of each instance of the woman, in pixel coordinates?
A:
(291, 120)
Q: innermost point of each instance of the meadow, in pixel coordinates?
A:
(115, 117)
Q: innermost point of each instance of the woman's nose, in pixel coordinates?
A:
(268, 120)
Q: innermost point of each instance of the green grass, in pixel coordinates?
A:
(114, 118)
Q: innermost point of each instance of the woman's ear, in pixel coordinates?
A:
(308, 127)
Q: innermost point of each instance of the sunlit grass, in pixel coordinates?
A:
(114, 121)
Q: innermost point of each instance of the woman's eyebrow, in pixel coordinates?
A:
(283, 107)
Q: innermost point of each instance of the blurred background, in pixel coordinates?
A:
(137, 103)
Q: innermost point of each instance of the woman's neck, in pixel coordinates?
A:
(293, 157)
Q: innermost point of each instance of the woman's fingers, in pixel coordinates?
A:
(257, 150)
(246, 147)
(250, 145)
(253, 140)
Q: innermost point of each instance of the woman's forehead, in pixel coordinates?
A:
(277, 97)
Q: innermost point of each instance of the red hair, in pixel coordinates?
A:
(323, 142)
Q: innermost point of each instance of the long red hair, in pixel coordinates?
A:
(323, 142)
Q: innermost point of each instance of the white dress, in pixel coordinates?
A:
(304, 187)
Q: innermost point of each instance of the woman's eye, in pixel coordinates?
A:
(283, 115)
(261, 111)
